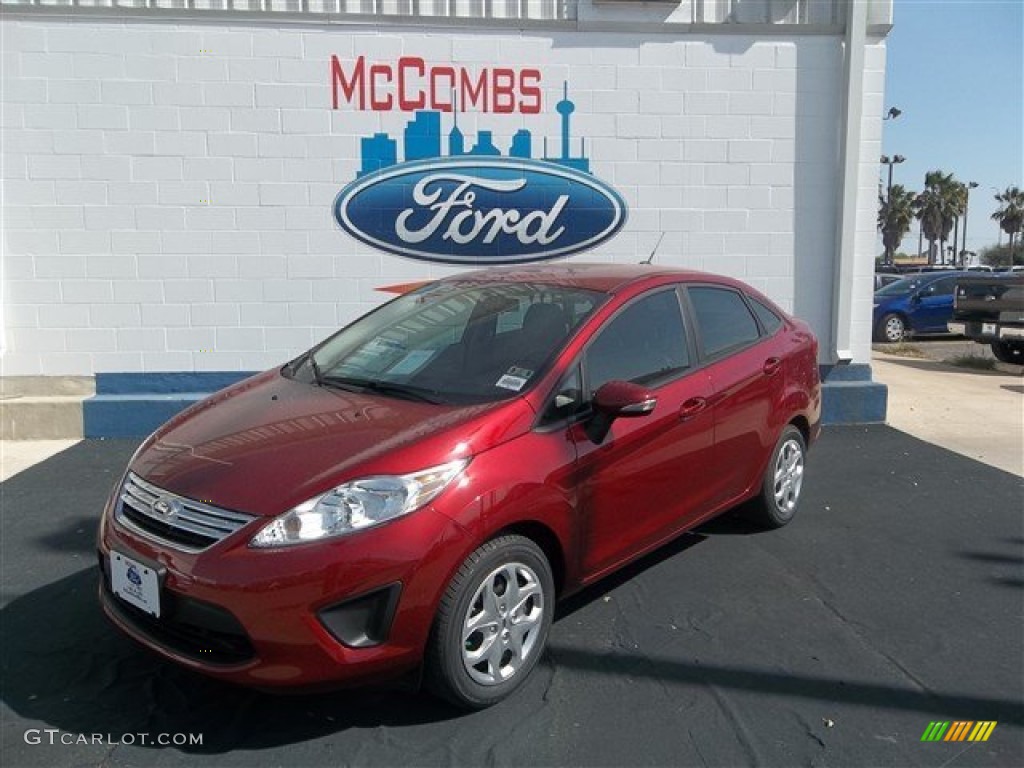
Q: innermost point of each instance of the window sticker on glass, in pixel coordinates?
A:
(515, 383)
(522, 373)
(412, 362)
(381, 344)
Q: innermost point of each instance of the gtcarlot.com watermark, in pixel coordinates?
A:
(57, 737)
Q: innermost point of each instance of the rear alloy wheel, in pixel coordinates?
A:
(783, 480)
(893, 329)
(492, 624)
(1009, 352)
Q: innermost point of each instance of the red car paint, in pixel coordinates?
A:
(269, 443)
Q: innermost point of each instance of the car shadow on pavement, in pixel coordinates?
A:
(77, 535)
(64, 665)
(1004, 570)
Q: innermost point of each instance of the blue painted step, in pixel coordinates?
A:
(135, 404)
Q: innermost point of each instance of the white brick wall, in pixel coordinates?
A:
(168, 189)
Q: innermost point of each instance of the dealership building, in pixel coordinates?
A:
(194, 190)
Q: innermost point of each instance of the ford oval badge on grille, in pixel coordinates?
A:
(167, 507)
(480, 210)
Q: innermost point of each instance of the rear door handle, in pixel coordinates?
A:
(692, 407)
(771, 366)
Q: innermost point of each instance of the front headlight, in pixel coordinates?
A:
(357, 505)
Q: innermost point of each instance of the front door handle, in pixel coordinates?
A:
(771, 366)
(692, 407)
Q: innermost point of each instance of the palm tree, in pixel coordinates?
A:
(937, 207)
(1010, 213)
(958, 198)
(894, 218)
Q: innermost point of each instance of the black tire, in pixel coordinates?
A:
(1009, 351)
(892, 328)
(448, 671)
(781, 487)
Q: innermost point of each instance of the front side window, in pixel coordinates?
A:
(454, 342)
(723, 320)
(645, 343)
(944, 287)
(900, 287)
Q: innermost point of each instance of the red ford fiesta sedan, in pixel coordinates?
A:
(417, 491)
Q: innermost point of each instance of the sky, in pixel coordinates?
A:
(956, 70)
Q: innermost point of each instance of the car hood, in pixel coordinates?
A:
(270, 443)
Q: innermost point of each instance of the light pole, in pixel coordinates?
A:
(967, 202)
(890, 161)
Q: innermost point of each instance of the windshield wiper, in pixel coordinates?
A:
(381, 387)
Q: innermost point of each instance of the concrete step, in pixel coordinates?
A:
(135, 404)
(26, 417)
(47, 386)
(134, 415)
(43, 407)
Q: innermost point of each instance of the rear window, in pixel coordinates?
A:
(769, 320)
(724, 322)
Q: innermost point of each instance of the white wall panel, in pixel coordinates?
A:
(166, 178)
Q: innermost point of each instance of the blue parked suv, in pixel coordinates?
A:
(920, 303)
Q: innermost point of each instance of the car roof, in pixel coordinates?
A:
(606, 278)
(935, 275)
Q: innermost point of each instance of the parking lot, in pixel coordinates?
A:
(894, 600)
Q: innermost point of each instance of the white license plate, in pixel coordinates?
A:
(989, 329)
(135, 583)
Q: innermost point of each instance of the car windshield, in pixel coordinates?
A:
(900, 287)
(452, 342)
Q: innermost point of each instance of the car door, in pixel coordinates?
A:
(933, 306)
(646, 479)
(745, 368)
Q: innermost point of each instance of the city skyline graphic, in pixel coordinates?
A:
(423, 138)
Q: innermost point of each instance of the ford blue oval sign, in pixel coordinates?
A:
(495, 210)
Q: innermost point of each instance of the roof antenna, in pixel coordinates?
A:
(650, 259)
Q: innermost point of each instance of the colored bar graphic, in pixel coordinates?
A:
(959, 730)
(934, 731)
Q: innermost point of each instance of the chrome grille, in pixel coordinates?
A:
(183, 523)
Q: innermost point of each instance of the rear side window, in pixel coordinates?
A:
(723, 320)
(769, 320)
(644, 343)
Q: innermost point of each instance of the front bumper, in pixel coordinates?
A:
(350, 610)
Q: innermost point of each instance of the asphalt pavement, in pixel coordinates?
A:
(892, 601)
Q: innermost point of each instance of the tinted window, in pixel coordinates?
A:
(942, 287)
(901, 287)
(769, 320)
(568, 399)
(723, 320)
(456, 342)
(643, 343)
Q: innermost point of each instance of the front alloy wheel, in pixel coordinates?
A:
(492, 623)
(502, 624)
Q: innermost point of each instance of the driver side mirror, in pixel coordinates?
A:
(618, 399)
